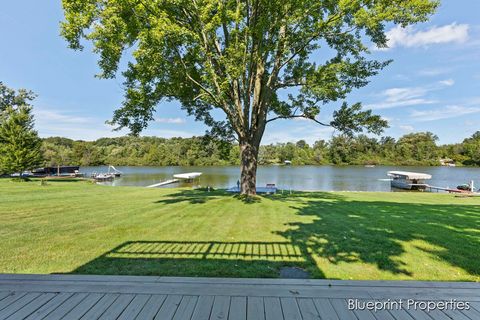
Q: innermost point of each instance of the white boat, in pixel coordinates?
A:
(103, 176)
(408, 180)
(187, 176)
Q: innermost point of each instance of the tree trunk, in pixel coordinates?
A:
(248, 168)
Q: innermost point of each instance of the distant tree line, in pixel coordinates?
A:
(411, 149)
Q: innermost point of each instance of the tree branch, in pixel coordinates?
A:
(298, 116)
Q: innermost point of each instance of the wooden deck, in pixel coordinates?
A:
(126, 297)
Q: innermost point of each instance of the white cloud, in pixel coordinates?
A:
(401, 97)
(407, 128)
(170, 120)
(56, 123)
(447, 82)
(409, 37)
(408, 96)
(445, 113)
(432, 72)
(52, 117)
(78, 132)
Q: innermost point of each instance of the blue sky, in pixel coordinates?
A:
(432, 85)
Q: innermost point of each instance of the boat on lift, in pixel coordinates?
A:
(408, 180)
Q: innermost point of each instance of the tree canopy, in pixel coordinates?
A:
(256, 60)
(11, 98)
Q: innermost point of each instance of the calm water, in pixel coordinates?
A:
(327, 178)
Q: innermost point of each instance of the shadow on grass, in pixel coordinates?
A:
(372, 231)
(199, 196)
(193, 196)
(341, 230)
(198, 258)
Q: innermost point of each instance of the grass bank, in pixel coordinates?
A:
(78, 227)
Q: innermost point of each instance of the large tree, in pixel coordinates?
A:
(256, 60)
(19, 142)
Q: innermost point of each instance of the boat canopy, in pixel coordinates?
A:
(409, 175)
(188, 176)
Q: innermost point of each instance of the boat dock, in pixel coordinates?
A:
(190, 176)
(163, 183)
(450, 190)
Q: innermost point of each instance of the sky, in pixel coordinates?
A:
(432, 85)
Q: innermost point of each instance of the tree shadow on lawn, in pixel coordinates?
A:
(200, 196)
(370, 232)
(194, 196)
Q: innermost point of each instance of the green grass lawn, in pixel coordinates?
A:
(79, 227)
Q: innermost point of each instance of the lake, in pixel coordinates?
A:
(326, 178)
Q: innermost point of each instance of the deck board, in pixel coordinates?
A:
(457, 315)
(70, 297)
(273, 308)
(116, 308)
(3, 295)
(66, 306)
(48, 307)
(255, 308)
(308, 309)
(151, 307)
(340, 306)
(169, 307)
(18, 304)
(325, 309)
(31, 307)
(203, 308)
(439, 315)
(80, 309)
(186, 308)
(238, 308)
(134, 307)
(99, 308)
(472, 313)
(11, 298)
(290, 309)
(221, 306)
(401, 315)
